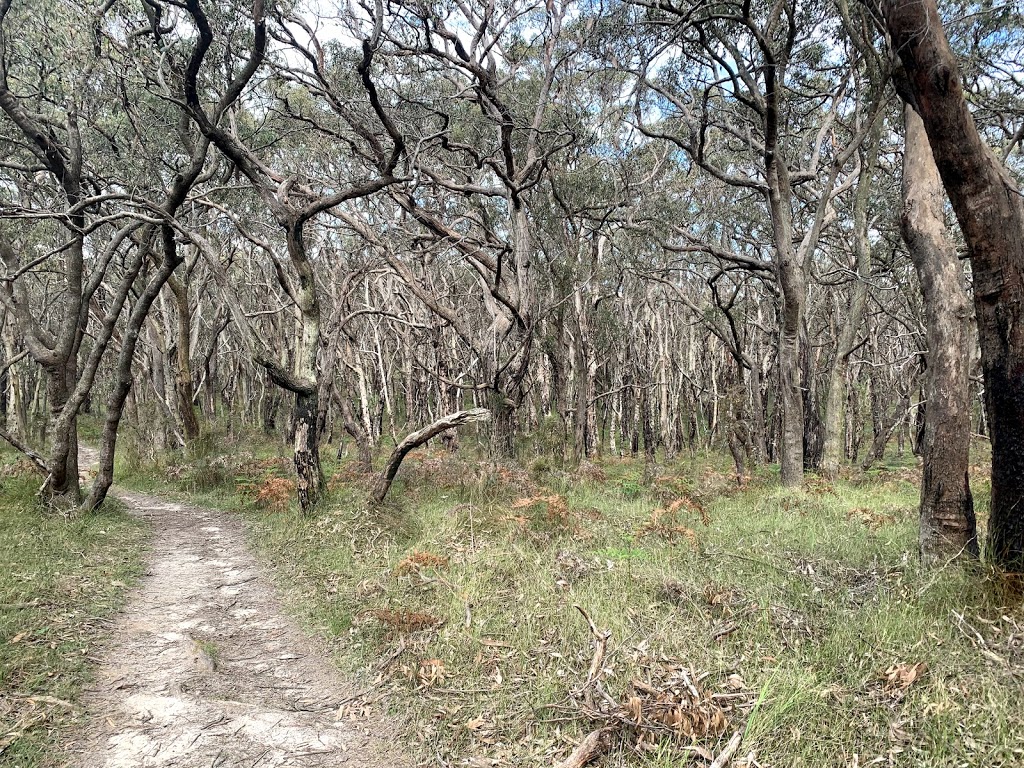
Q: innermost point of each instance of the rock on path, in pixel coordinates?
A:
(205, 669)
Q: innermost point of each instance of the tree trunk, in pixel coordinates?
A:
(836, 397)
(183, 389)
(813, 433)
(62, 483)
(503, 431)
(123, 376)
(356, 432)
(791, 444)
(757, 426)
(947, 510)
(309, 474)
(990, 210)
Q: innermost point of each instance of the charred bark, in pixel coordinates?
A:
(309, 476)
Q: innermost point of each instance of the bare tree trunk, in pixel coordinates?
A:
(948, 526)
(835, 403)
(503, 429)
(356, 432)
(183, 375)
(308, 472)
(757, 425)
(62, 482)
(123, 377)
(813, 433)
(990, 210)
(791, 448)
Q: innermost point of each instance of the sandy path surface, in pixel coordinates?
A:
(205, 669)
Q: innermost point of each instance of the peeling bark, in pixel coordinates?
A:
(948, 527)
(990, 210)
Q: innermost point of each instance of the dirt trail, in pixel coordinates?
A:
(204, 668)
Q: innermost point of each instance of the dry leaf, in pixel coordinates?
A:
(900, 676)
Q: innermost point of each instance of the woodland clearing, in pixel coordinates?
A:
(634, 383)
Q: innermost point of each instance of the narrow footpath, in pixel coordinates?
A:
(204, 668)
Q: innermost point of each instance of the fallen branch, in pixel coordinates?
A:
(595, 744)
(730, 749)
(601, 638)
(34, 457)
(383, 483)
(39, 699)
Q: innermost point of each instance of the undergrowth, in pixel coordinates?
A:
(803, 615)
(60, 582)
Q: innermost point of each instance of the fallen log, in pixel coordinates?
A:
(382, 484)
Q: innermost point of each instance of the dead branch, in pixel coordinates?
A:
(592, 747)
(383, 483)
(601, 638)
(730, 749)
(34, 457)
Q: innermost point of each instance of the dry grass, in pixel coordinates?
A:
(800, 617)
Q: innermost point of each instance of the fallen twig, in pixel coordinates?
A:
(601, 637)
(730, 749)
(595, 744)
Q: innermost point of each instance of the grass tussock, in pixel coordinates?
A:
(61, 581)
(799, 618)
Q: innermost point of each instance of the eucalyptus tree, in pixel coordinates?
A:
(46, 161)
(948, 526)
(359, 153)
(93, 199)
(989, 208)
(755, 95)
(490, 105)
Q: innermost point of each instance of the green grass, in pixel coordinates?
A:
(60, 582)
(806, 605)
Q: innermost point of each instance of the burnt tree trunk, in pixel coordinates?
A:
(948, 526)
(990, 210)
(309, 476)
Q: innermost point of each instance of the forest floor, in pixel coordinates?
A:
(500, 613)
(61, 583)
(203, 668)
(496, 614)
